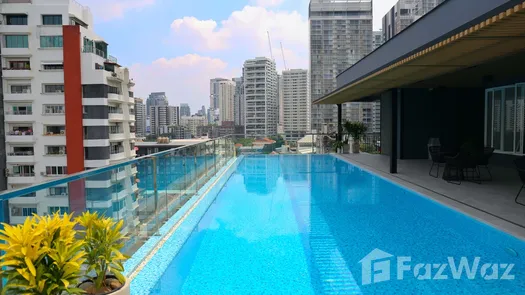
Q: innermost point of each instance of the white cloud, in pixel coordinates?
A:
(245, 31)
(107, 10)
(267, 3)
(184, 78)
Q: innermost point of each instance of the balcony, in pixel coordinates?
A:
(19, 116)
(21, 178)
(116, 117)
(115, 97)
(21, 157)
(117, 136)
(117, 156)
(15, 51)
(17, 73)
(20, 137)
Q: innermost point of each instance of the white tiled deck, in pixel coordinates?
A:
(491, 201)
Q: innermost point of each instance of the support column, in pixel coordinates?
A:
(339, 122)
(394, 124)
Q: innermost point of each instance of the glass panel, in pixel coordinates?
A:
(520, 96)
(496, 125)
(509, 119)
(488, 119)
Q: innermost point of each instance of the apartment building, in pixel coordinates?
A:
(59, 80)
(140, 117)
(296, 103)
(377, 39)
(238, 108)
(226, 101)
(193, 122)
(161, 117)
(214, 92)
(260, 91)
(398, 18)
(340, 35)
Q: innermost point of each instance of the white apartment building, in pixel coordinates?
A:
(340, 35)
(193, 122)
(226, 101)
(214, 92)
(280, 106)
(296, 103)
(59, 80)
(140, 117)
(161, 117)
(260, 91)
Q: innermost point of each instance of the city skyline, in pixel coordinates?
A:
(184, 64)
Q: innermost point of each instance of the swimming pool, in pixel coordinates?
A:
(319, 225)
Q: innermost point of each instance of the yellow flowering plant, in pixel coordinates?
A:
(41, 256)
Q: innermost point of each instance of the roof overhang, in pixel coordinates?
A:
(497, 36)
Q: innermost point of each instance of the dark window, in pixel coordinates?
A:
(16, 19)
(16, 41)
(52, 20)
(53, 67)
(95, 91)
(58, 88)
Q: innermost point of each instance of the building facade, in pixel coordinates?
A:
(422, 7)
(193, 122)
(340, 35)
(238, 111)
(260, 91)
(140, 117)
(214, 92)
(377, 39)
(179, 132)
(296, 103)
(398, 18)
(59, 80)
(185, 110)
(161, 117)
(156, 99)
(226, 101)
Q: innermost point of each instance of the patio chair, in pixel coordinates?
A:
(438, 159)
(462, 164)
(483, 160)
(520, 166)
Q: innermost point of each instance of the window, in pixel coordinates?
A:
(59, 210)
(53, 67)
(55, 130)
(28, 211)
(54, 88)
(51, 41)
(116, 148)
(18, 89)
(114, 90)
(24, 171)
(504, 118)
(54, 109)
(16, 19)
(23, 151)
(22, 110)
(16, 41)
(56, 150)
(56, 170)
(52, 20)
(19, 65)
(117, 206)
(57, 191)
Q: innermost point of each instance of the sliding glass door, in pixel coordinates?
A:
(504, 118)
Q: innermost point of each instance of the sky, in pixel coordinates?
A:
(177, 46)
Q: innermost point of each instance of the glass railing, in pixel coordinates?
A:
(144, 192)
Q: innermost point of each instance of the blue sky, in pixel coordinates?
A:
(177, 46)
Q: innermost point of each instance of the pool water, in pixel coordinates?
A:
(302, 224)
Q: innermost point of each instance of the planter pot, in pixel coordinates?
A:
(346, 149)
(355, 147)
(123, 290)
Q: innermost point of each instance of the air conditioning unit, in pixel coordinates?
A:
(16, 211)
(43, 173)
(62, 132)
(7, 171)
(114, 74)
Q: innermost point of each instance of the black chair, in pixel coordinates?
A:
(483, 160)
(438, 159)
(462, 164)
(520, 166)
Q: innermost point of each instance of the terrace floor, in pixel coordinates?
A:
(490, 201)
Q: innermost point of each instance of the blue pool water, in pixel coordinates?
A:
(302, 224)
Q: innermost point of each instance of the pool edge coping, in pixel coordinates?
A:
(477, 214)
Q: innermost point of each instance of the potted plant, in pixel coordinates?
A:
(103, 242)
(338, 146)
(346, 146)
(356, 130)
(41, 256)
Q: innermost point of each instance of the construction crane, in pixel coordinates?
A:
(284, 60)
(270, 42)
